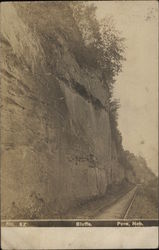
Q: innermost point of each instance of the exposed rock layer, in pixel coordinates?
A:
(57, 149)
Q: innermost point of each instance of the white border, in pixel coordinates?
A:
(79, 238)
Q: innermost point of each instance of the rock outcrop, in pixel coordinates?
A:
(56, 144)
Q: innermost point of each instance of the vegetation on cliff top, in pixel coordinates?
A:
(103, 48)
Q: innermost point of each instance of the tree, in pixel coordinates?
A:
(102, 40)
(112, 50)
(102, 47)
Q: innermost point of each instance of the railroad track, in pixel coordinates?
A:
(126, 213)
(120, 209)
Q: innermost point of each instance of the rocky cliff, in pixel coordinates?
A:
(57, 147)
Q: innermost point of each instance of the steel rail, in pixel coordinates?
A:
(130, 204)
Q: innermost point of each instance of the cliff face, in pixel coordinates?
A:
(57, 149)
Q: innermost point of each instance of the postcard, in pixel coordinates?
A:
(79, 124)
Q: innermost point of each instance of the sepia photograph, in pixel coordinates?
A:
(79, 122)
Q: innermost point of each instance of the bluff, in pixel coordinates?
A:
(57, 147)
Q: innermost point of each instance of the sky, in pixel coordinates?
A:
(137, 85)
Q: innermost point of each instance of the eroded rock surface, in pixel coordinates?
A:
(57, 146)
